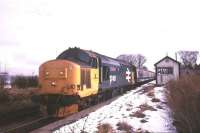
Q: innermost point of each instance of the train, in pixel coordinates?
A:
(79, 78)
(144, 74)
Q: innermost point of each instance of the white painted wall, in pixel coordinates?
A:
(166, 77)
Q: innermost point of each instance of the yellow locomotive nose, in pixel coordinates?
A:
(59, 77)
(59, 84)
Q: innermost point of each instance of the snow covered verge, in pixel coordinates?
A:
(141, 110)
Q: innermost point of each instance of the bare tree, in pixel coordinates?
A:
(188, 58)
(138, 60)
(141, 60)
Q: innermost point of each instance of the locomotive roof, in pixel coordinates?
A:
(72, 52)
(105, 59)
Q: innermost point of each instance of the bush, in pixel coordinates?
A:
(14, 99)
(124, 126)
(4, 97)
(105, 128)
(138, 114)
(23, 82)
(183, 98)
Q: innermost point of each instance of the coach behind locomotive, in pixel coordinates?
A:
(78, 78)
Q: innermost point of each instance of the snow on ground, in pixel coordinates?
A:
(153, 116)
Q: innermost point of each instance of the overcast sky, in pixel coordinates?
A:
(34, 31)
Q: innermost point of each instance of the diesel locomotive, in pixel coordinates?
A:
(79, 78)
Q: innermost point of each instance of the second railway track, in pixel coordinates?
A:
(29, 126)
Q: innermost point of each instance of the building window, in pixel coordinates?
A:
(85, 78)
(165, 70)
(106, 73)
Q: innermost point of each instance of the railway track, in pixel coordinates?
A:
(72, 118)
(29, 126)
(37, 123)
(8, 117)
(18, 117)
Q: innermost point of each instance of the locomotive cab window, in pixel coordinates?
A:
(106, 73)
(93, 62)
(83, 57)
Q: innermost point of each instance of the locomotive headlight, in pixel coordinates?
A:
(47, 73)
(53, 83)
(61, 73)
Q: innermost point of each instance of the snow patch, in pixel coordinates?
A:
(121, 110)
